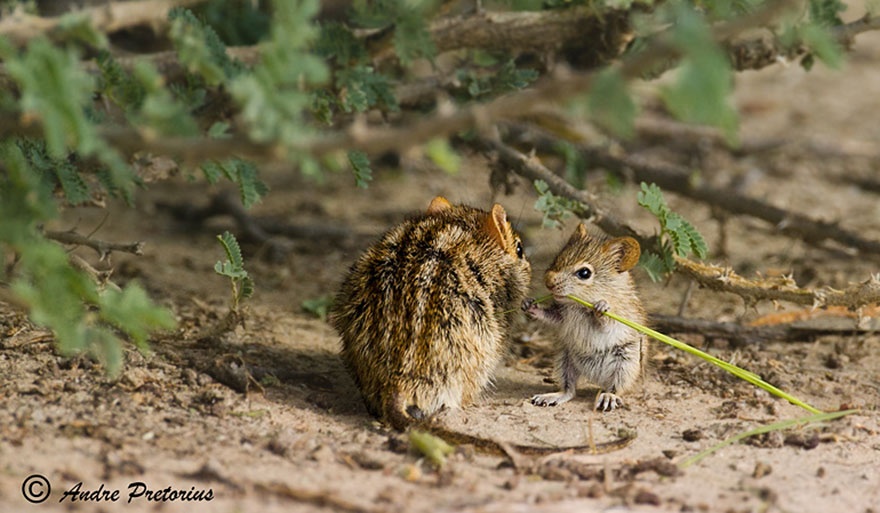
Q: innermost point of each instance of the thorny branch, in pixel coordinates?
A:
(722, 279)
(530, 168)
(680, 180)
(560, 85)
(20, 27)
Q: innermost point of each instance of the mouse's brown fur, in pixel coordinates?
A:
(606, 352)
(424, 313)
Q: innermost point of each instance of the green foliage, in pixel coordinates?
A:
(360, 165)
(611, 106)
(434, 448)
(78, 28)
(799, 424)
(132, 312)
(825, 12)
(240, 172)
(818, 39)
(336, 42)
(677, 236)
(575, 163)
(407, 18)
(62, 172)
(55, 91)
(117, 85)
(702, 92)
(361, 88)
(272, 96)
(233, 268)
(555, 208)
(236, 22)
(200, 49)
(319, 306)
(83, 316)
(502, 80)
(442, 154)
(160, 111)
(358, 86)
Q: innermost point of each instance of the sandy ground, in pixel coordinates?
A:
(302, 441)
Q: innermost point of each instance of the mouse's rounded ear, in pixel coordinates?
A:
(626, 250)
(438, 204)
(499, 229)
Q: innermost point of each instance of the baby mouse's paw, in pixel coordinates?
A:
(600, 307)
(606, 401)
(530, 306)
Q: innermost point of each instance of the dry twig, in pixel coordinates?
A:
(562, 84)
(714, 277)
(724, 279)
(20, 27)
(680, 180)
(103, 248)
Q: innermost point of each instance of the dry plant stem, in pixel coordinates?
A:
(113, 16)
(103, 248)
(724, 279)
(102, 278)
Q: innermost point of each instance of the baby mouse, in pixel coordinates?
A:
(424, 313)
(590, 344)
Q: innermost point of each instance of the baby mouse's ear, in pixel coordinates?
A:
(499, 229)
(438, 204)
(626, 250)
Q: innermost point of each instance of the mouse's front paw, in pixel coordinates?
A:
(530, 307)
(606, 401)
(599, 308)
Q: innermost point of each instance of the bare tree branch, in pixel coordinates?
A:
(20, 27)
(724, 279)
(603, 34)
(103, 248)
(714, 277)
(680, 180)
(532, 169)
(765, 51)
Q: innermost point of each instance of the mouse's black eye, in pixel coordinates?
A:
(584, 273)
(519, 249)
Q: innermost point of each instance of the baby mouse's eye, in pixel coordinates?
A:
(519, 249)
(584, 273)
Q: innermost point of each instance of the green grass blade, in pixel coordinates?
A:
(785, 424)
(733, 369)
